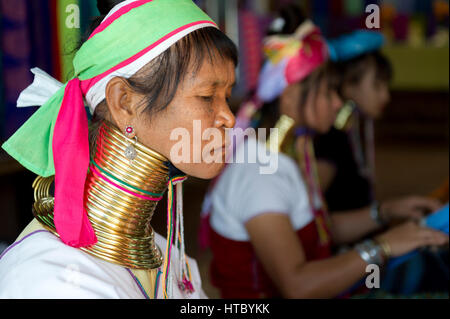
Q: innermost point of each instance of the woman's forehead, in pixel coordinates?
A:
(216, 74)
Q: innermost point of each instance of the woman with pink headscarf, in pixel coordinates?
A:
(270, 233)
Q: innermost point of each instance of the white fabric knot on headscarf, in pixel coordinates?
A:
(40, 91)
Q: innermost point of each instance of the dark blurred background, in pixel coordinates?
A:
(411, 139)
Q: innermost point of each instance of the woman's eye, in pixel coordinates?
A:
(207, 98)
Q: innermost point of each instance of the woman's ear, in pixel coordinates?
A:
(121, 102)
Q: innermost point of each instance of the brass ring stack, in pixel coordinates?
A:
(120, 199)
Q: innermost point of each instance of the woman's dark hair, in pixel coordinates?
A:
(104, 6)
(158, 81)
(352, 71)
(292, 16)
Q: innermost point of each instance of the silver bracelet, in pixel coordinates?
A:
(375, 214)
(370, 252)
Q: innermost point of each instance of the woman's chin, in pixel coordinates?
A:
(201, 170)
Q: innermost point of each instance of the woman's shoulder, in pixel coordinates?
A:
(255, 179)
(39, 265)
(249, 188)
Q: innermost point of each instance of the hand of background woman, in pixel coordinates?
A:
(409, 236)
(411, 207)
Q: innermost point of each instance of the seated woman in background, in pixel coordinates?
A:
(345, 155)
(270, 234)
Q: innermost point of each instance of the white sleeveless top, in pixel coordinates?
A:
(244, 191)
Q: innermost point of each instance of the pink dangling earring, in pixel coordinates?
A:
(130, 151)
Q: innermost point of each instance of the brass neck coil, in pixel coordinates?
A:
(120, 198)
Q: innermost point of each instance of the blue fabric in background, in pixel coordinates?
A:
(411, 269)
(26, 42)
(16, 59)
(320, 13)
(352, 45)
(439, 219)
(406, 6)
(420, 271)
(39, 27)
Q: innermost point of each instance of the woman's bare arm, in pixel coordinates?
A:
(282, 255)
(350, 226)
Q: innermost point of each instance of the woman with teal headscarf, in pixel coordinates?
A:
(147, 68)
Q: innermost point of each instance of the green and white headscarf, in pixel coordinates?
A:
(54, 141)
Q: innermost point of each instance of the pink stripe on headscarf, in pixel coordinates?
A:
(71, 160)
(118, 14)
(87, 84)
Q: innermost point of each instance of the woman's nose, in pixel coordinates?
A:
(225, 118)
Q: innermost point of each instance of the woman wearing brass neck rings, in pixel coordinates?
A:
(147, 69)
